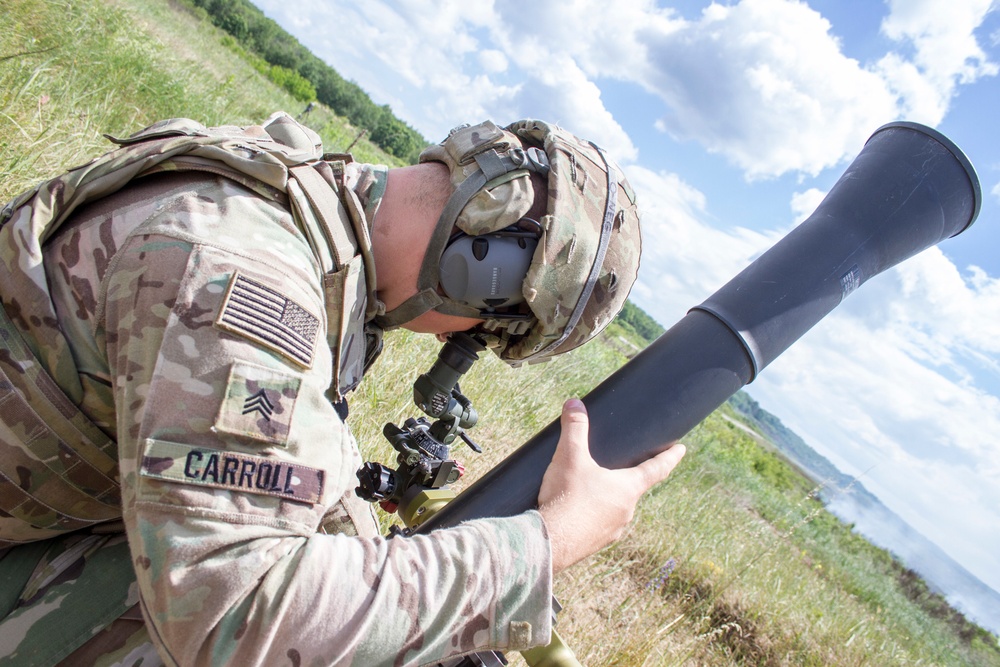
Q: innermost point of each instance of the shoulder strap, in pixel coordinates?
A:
(325, 206)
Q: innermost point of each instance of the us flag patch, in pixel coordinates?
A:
(270, 318)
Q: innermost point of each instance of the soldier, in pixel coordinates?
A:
(183, 320)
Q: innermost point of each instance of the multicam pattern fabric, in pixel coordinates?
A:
(64, 578)
(502, 201)
(59, 473)
(581, 182)
(578, 195)
(123, 315)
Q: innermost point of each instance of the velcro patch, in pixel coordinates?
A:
(235, 471)
(270, 318)
(258, 403)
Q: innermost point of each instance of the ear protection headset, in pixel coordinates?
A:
(487, 271)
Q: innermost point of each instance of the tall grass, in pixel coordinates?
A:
(731, 562)
(71, 71)
(721, 568)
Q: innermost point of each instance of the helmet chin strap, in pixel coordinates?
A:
(491, 165)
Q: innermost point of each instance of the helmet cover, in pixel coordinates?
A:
(588, 257)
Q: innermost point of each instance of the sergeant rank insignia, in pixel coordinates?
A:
(259, 403)
(264, 315)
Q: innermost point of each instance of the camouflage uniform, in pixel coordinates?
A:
(194, 317)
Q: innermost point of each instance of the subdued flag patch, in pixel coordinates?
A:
(235, 471)
(258, 403)
(267, 316)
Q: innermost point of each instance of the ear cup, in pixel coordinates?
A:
(486, 271)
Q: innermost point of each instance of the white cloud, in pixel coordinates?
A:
(684, 259)
(889, 386)
(425, 59)
(493, 61)
(765, 83)
(563, 49)
(598, 35)
(953, 311)
(945, 53)
(804, 203)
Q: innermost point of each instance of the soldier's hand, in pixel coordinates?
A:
(587, 507)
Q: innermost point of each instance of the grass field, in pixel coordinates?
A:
(73, 71)
(731, 562)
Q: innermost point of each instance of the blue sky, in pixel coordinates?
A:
(732, 121)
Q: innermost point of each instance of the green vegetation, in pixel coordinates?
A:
(725, 567)
(635, 319)
(733, 561)
(294, 83)
(798, 451)
(72, 71)
(297, 68)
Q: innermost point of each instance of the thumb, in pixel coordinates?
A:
(574, 438)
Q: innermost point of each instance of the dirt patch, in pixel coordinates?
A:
(718, 625)
(740, 636)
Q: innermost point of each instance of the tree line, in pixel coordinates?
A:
(285, 61)
(639, 321)
(292, 66)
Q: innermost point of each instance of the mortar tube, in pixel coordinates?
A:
(908, 189)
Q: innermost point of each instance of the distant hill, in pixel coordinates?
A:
(816, 466)
(848, 499)
(639, 322)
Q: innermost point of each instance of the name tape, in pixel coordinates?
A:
(235, 471)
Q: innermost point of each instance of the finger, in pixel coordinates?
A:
(655, 470)
(575, 424)
(574, 406)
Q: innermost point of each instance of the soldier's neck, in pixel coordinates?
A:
(406, 219)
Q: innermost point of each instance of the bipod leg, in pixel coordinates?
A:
(555, 654)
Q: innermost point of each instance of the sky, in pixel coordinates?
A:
(732, 121)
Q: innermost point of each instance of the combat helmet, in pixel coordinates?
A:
(552, 284)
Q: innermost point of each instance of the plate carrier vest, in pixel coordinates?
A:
(73, 481)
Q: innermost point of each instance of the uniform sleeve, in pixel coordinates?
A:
(231, 456)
